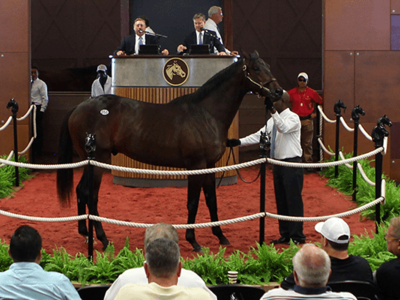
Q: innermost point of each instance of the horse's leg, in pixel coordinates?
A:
(211, 200)
(100, 234)
(83, 199)
(194, 189)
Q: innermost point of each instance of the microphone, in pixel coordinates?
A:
(153, 34)
(206, 31)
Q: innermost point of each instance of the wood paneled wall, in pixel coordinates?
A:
(15, 69)
(361, 69)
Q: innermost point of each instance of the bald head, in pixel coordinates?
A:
(158, 231)
(311, 266)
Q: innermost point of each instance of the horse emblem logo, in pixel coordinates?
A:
(176, 71)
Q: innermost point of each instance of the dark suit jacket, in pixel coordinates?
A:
(209, 37)
(128, 43)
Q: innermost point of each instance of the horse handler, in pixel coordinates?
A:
(284, 127)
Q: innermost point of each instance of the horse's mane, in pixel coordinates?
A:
(212, 84)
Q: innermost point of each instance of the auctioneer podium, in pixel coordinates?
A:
(160, 79)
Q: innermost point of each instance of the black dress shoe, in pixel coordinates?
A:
(297, 242)
(281, 240)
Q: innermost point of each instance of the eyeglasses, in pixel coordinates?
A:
(301, 80)
(390, 238)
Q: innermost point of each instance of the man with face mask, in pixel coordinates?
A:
(102, 85)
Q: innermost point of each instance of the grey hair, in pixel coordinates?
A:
(162, 257)
(395, 223)
(213, 10)
(160, 230)
(312, 266)
(199, 16)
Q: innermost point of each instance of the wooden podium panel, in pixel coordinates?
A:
(143, 87)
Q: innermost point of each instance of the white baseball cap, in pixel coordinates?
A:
(102, 68)
(334, 228)
(303, 74)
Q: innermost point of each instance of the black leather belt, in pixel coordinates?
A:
(305, 118)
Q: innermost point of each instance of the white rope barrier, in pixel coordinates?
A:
(41, 219)
(6, 124)
(383, 190)
(345, 125)
(194, 226)
(324, 148)
(343, 158)
(385, 142)
(45, 167)
(324, 116)
(364, 176)
(27, 113)
(27, 147)
(364, 132)
(8, 158)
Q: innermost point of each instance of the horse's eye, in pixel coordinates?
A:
(257, 69)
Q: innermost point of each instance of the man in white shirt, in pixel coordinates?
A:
(138, 275)
(284, 126)
(311, 269)
(40, 98)
(215, 17)
(102, 85)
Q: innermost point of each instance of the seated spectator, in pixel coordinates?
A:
(101, 85)
(163, 267)
(131, 43)
(201, 37)
(335, 237)
(387, 276)
(138, 275)
(26, 279)
(311, 270)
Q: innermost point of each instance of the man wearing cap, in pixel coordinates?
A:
(387, 276)
(303, 99)
(335, 237)
(102, 85)
(131, 43)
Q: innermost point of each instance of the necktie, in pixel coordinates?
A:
(140, 41)
(200, 38)
(273, 138)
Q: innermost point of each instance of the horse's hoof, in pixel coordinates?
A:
(198, 250)
(87, 240)
(224, 241)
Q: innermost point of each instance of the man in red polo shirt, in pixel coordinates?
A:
(303, 100)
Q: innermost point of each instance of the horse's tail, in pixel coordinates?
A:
(65, 176)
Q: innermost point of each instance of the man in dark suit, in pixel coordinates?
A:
(200, 36)
(131, 43)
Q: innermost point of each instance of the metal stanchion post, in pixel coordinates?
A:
(338, 112)
(378, 134)
(14, 109)
(355, 115)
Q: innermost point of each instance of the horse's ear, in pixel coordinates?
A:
(256, 54)
(244, 54)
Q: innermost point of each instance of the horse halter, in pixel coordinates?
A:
(261, 85)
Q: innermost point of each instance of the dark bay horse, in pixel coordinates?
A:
(188, 132)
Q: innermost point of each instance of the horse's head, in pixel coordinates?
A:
(382, 121)
(259, 76)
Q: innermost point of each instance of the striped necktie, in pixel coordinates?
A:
(200, 38)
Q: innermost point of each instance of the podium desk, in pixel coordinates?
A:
(160, 79)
